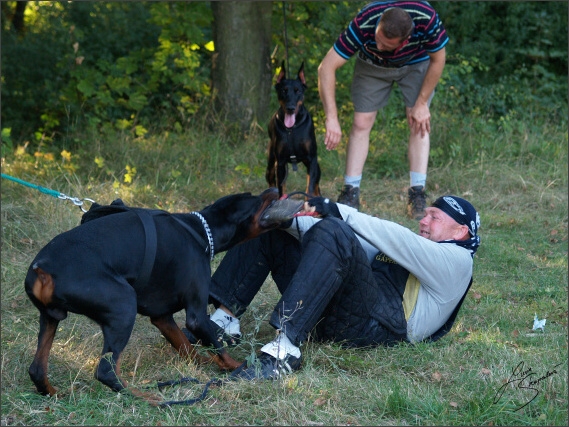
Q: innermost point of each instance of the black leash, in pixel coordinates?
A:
(212, 382)
(285, 40)
(294, 193)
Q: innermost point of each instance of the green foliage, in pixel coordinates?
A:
(507, 36)
(311, 30)
(128, 66)
(143, 66)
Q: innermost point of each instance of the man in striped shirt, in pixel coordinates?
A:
(399, 42)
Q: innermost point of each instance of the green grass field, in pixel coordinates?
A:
(515, 177)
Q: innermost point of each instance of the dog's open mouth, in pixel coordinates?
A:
(280, 211)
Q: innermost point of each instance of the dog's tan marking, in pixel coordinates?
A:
(43, 286)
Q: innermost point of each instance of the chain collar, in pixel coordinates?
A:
(207, 232)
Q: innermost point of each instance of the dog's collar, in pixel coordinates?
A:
(208, 233)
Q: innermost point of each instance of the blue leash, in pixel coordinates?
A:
(76, 201)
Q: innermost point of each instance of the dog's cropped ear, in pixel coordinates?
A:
(282, 73)
(301, 74)
(241, 208)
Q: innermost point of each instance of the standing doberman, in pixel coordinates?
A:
(292, 137)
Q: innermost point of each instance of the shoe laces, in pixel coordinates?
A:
(277, 366)
(349, 192)
(417, 197)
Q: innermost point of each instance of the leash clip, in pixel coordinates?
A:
(75, 200)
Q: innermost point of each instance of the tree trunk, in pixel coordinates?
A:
(241, 70)
(16, 16)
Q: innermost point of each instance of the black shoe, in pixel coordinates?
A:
(350, 196)
(417, 202)
(228, 340)
(266, 367)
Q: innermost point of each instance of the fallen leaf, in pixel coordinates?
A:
(320, 401)
(516, 333)
(485, 371)
(437, 376)
(453, 404)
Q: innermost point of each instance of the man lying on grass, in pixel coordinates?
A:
(349, 277)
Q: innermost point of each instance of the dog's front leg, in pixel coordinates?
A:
(313, 178)
(203, 328)
(177, 339)
(271, 173)
(282, 172)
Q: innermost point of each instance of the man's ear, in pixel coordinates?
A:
(462, 233)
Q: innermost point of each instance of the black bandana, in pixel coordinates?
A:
(464, 213)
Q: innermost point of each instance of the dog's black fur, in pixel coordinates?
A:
(292, 138)
(96, 269)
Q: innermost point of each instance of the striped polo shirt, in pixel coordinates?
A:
(429, 35)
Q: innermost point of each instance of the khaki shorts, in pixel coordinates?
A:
(372, 84)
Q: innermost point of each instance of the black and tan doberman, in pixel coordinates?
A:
(292, 137)
(122, 261)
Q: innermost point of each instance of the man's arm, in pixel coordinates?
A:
(437, 265)
(419, 117)
(327, 90)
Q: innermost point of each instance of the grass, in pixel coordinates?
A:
(517, 178)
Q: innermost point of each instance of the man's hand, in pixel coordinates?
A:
(323, 206)
(327, 91)
(419, 119)
(333, 134)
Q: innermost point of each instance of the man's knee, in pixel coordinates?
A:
(363, 122)
(330, 233)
